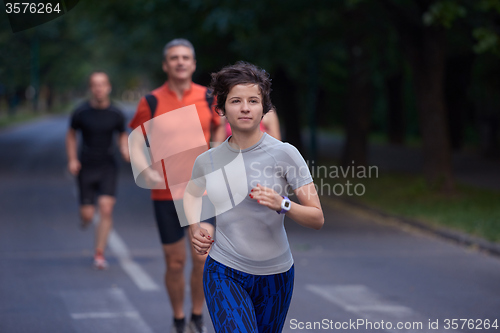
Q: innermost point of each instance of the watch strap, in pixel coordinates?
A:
(283, 211)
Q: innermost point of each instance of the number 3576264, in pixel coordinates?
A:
(31, 8)
(470, 324)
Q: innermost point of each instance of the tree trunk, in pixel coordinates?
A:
(285, 99)
(359, 98)
(458, 77)
(427, 58)
(395, 112)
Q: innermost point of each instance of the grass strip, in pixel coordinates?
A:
(472, 210)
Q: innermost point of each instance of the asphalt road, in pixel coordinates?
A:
(353, 275)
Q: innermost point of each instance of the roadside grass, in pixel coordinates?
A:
(472, 210)
(24, 114)
(20, 116)
(379, 138)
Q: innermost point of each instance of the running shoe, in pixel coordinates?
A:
(85, 224)
(100, 263)
(197, 326)
(178, 328)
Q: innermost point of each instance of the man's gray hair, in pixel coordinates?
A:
(178, 42)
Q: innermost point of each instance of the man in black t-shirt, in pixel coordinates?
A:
(95, 167)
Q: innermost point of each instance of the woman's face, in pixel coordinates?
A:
(244, 107)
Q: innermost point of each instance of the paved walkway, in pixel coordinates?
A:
(352, 270)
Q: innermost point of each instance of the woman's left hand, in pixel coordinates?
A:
(266, 197)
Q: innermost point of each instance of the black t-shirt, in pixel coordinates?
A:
(98, 127)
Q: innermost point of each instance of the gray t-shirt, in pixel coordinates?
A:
(250, 237)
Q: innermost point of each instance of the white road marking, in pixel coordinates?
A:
(120, 250)
(103, 311)
(104, 315)
(367, 305)
(122, 253)
(134, 270)
(358, 299)
(289, 330)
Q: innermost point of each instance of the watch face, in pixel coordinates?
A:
(287, 204)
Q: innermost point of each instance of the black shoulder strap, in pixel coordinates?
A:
(210, 98)
(153, 103)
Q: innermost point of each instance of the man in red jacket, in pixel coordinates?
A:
(179, 91)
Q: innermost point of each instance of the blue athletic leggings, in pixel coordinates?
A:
(239, 302)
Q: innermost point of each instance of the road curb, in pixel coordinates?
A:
(371, 213)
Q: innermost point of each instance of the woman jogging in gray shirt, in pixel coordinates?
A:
(248, 276)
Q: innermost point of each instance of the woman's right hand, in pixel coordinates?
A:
(200, 238)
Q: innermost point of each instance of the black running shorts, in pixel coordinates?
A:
(95, 181)
(168, 223)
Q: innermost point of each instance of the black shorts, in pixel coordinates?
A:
(168, 222)
(94, 181)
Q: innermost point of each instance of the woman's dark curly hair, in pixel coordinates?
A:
(240, 73)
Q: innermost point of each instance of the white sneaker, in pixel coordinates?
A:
(100, 263)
